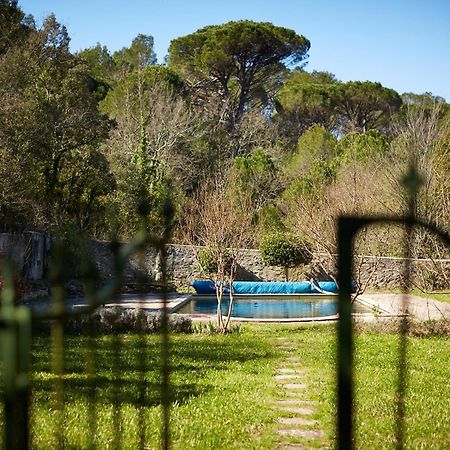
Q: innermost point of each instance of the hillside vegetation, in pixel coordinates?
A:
(232, 118)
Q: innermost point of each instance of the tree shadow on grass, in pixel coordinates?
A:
(128, 367)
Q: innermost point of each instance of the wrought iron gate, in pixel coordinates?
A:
(348, 228)
(17, 322)
(16, 339)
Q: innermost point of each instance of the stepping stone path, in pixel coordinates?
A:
(294, 408)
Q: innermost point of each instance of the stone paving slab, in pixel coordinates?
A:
(297, 421)
(293, 359)
(418, 307)
(308, 434)
(294, 385)
(284, 370)
(294, 401)
(288, 376)
(287, 446)
(305, 411)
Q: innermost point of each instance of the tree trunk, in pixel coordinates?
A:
(230, 306)
(219, 295)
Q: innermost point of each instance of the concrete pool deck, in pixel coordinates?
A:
(148, 302)
(384, 305)
(418, 308)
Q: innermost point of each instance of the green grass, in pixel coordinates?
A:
(223, 389)
(438, 296)
(221, 392)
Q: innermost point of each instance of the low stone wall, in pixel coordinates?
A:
(30, 253)
(373, 272)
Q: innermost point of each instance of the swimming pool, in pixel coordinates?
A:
(270, 306)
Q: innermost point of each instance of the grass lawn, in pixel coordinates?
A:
(223, 389)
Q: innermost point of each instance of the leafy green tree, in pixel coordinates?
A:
(364, 105)
(99, 60)
(284, 250)
(315, 144)
(207, 260)
(306, 99)
(138, 56)
(102, 66)
(14, 25)
(318, 98)
(425, 103)
(362, 147)
(255, 178)
(425, 100)
(84, 189)
(152, 124)
(236, 58)
(48, 117)
(311, 182)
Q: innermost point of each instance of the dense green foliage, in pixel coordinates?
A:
(283, 250)
(208, 262)
(85, 138)
(239, 57)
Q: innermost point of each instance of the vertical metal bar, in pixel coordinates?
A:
(16, 347)
(117, 390)
(165, 367)
(346, 230)
(412, 183)
(117, 347)
(89, 276)
(92, 391)
(142, 358)
(57, 334)
(23, 316)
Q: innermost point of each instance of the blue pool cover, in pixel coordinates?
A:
(270, 287)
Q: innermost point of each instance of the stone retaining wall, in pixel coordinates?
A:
(373, 272)
(30, 252)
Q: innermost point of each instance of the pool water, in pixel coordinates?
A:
(270, 307)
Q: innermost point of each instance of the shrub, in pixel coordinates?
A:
(118, 320)
(284, 250)
(207, 260)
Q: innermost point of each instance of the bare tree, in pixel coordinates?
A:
(424, 140)
(150, 118)
(222, 225)
(359, 189)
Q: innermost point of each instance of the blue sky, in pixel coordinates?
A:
(404, 44)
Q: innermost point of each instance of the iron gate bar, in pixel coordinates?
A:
(15, 327)
(91, 365)
(165, 356)
(16, 344)
(142, 351)
(348, 227)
